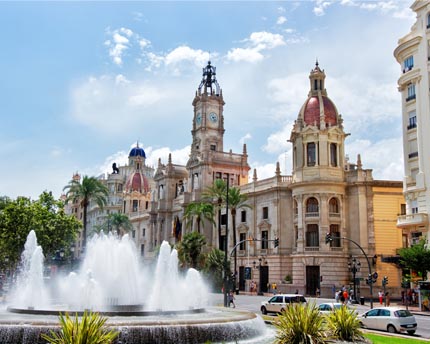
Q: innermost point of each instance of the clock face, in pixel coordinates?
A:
(213, 117)
(199, 118)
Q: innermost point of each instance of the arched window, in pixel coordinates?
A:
(333, 206)
(333, 154)
(295, 208)
(335, 234)
(312, 205)
(311, 153)
(312, 237)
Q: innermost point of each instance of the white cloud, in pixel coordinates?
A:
(321, 6)
(118, 44)
(244, 138)
(257, 43)
(281, 20)
(277, 142)
(184, 53)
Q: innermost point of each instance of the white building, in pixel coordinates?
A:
(413, 55)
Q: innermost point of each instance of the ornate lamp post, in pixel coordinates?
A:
(354, 266)
(226, 286)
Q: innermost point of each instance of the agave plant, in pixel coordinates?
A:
(343, 324)
(300, 324)
(90, 330)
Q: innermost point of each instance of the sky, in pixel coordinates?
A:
(82, 82)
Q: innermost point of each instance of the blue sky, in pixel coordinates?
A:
(81, 82)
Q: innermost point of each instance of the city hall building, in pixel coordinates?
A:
(326, 193)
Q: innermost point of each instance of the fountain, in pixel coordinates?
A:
(168, 308)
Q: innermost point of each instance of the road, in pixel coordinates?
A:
(252, 304)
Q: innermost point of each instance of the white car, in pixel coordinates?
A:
(278, 303)
(325, 308)
(391, 319)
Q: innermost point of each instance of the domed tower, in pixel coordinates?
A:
(136, 157)
(318, 136)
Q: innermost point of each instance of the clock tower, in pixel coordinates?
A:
(208, 123)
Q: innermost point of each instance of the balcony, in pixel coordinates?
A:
(312, 214)
(412, 155)
(412, 126)
(411, 97)
(405, 221)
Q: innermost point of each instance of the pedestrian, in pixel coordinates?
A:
(231, 299)
(317, 292)
(345, 296)
(381, 297)
(387, 299)
(341, 296)
(403, 297)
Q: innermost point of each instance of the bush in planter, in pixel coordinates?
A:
(343, 324)
(90, 330)
(300, 324)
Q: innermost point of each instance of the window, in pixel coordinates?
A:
(414, 206)
(408, 64)
(414, 173)
(133, 234)
(428, 20)
(335, 234)
(411, 92)
(146, 204)
(402, 209)
(265, 213)
(311, 153)
(223, 219)
(312, 205)
(413, 148)
(119, 187)
(213, 147)
(333, 206)
(135, 205)
(312, 238)
(143, 232)
(295, 208)
(264, 242)
(243, 216)
(333, 154)
(412, 121)
(296, 234)
(242, 237)
(142, 249)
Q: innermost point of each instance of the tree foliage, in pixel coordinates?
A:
(200, 211)
(214, 268)
(118, 222)
(91, 189)
(416, 257)
(54, 229)
(190, 249)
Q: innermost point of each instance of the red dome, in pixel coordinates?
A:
(137, 182)
(311, 112)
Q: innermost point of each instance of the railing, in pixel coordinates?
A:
(312, 214)
(413, 155)
(312, 249)
(334, 214)
(411, 97)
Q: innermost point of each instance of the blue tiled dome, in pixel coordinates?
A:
(137, 151)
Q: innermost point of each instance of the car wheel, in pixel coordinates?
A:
(391, 329)
(263, 310)
(411, 332)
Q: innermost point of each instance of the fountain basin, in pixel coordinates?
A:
(211, 324)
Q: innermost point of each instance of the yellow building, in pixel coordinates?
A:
(388, 203)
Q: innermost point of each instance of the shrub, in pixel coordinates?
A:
(343, 324)
(90, 330)
(300, 324)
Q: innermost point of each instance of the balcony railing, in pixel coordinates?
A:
(411, 97)
(413, 155)
(404, 221)
(312, 214)
(412, 126)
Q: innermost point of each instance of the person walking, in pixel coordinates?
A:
(381, 296)
(231, 299)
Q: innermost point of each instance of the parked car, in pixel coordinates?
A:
(325, 308)
(391, 319)
(278, 303)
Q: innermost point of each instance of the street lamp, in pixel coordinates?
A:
(226, 303)
(372, 277)
(354, 266)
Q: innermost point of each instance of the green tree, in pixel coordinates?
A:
(236, 201)
(91, 189)
(417, 258)
(118, 222)
(217, 194)
(4, 200)
(190, 249)
(214, 268)
(200, 211)
(54, 229)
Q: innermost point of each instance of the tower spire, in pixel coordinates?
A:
(209, 80)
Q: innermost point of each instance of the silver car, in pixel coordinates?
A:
(391, 319)
(278, 303)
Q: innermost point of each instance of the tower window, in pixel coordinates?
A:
(312, 238)
(264, 242)
(412, 121)
(213, 147)
(333, 154)
(315, 84)
(311, 152)
(411, 92)
(135, 205)
(265, 213)
(408, 64)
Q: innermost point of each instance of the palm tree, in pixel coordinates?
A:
(236, 201)
(91, 189)
(118, 221)
(191, 247)
(217, 192)
(201, 211)
(214, 268)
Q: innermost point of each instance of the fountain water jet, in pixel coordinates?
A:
(111, 282)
